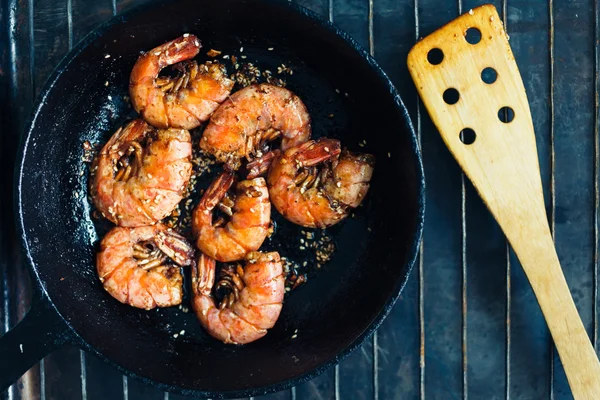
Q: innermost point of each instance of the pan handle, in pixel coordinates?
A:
(41, 331)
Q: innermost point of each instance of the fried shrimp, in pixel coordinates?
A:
(183, 101)
(253, 304)
(137, 265)
(141, 174)
(249, 214)
(316, 184)
(251, 117)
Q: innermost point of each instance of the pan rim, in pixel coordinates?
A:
(412, 253)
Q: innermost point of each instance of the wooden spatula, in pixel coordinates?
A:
(468, 79)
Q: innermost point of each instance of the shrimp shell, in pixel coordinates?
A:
(253, 116)
(257, 308)
(151, 192)
(249, 223)
(147, 284)
(180, 102)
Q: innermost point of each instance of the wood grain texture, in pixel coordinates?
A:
(502, 163)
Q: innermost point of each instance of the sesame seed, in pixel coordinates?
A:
(175, 335)
(150, 176)
(241, 49)
(389, 155)
(182, 332)
(270, 49)
(110, 97)
(338, 184)
(326, 149)
(471, 12)
(139, 209)
(107, 56)
(294, 336)
(186, 34)
(106, 83)
(337, 90)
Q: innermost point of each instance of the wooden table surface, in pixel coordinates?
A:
(467, 323)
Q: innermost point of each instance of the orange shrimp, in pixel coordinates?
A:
(141, 174)
(249, 211)
(184, 101)
(316, 184)
(253, 304)
(250, 118)
(133, 265)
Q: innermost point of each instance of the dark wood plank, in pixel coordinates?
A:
(63, 374)
(51, 33)
(139, 391)
(529, 349)
(102, 381)
(442, 243)
(5, 111)
(16, 283)
(322, 387)
(319, 6)
(398, 340)
(574, 146)
(88, 15)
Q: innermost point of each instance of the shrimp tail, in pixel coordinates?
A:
(175, 247)
(177, 50)
(259, 166)
(315, 152)
(216, 191)
(135, 130)
(203, 275)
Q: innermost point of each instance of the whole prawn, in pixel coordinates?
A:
(141, 174)
(184, 101)
(133, 265)
(316, 184)
(249, 213)
(250, 118)
(254, 302)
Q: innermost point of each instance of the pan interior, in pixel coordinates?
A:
(346, 98)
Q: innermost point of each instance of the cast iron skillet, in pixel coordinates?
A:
(334, 312)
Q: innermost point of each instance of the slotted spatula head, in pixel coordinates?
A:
(468, 79)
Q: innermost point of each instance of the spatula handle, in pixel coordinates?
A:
(578, 357)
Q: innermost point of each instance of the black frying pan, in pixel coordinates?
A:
(334, 312)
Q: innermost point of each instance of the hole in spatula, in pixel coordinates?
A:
(451, 96)
(435, 56)
(467, 136)
(489, 75)
(473, 35)
(506, 114)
